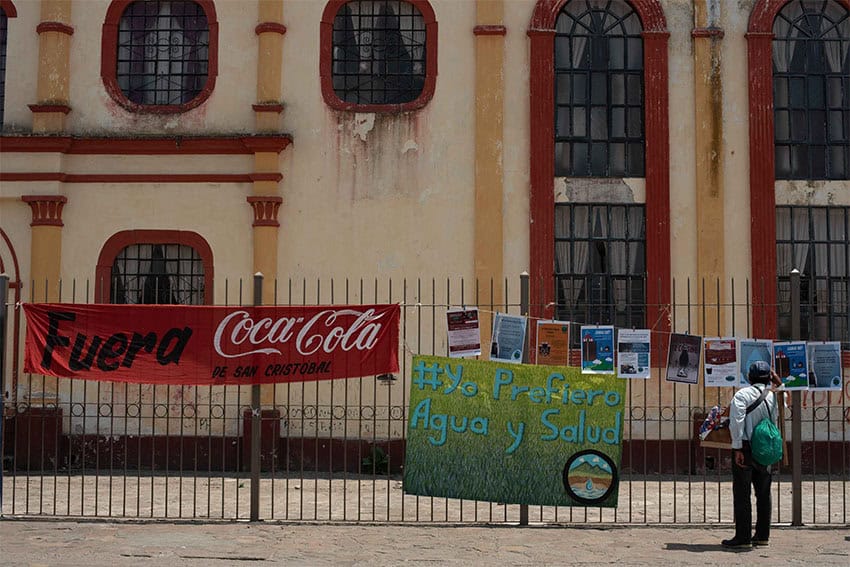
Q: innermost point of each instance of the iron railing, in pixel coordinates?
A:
(334, 450)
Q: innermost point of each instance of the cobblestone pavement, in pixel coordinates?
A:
(96, 543)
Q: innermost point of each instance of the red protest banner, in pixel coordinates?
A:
(176, 344)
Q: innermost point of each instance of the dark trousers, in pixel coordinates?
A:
(759, 477)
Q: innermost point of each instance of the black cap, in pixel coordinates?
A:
(759, 372)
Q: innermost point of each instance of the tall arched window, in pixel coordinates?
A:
(599, 130)
(155, 266)
(811, 90)
(160, 55)
(4, 28)
(593, 115)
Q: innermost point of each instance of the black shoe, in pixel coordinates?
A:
(735, 543)
(761, 542)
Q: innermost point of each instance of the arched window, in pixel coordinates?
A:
(160, 55)
(155, 266)
(7, 10)
(811, 90)
(599, 129)
(593, 115)
(378, 55)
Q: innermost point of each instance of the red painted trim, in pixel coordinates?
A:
(326, 52)
(243, 145)
(489, 29)
(265, 210)
(43, 108)
(16, 285)
(54, 27)
(120, 240)
(109, 61)
(542, 151)
(141, 177)
(268, 107)
(707, 32)
(8, 8)
(46, 209)
(762, 164)
(274, 176)
(270, 27)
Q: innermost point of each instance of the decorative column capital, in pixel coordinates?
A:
(265, 209)
(46, 209)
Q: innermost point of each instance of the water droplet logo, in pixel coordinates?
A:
(589, 477)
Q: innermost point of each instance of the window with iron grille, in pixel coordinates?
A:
(599, 124)
(600, 264)
(163, 52)
(811, 90)
(378, 52)
(815, 241)
(158, 273)
(4, 23)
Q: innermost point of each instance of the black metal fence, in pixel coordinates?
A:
(334, 450)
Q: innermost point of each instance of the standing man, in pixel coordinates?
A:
(748, 407)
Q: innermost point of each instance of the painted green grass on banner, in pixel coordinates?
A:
(472, 465)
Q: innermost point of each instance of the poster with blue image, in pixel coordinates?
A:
(789, 362)
(824, 365)
(597, 349)
(750, 351)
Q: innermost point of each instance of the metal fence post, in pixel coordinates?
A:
(256, 416)
(796, 418)
(523, 307)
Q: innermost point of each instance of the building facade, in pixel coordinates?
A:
(626, 154)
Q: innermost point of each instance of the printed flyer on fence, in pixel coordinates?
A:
(751, 350)
(597, 349)
(633, 353)
(791, 365)
(464, 332)
(824, 365)
(721, 362)
(508, 338)
(553, 343)
(513, 433)
(683, 358)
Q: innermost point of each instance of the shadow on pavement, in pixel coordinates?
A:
(701, 547)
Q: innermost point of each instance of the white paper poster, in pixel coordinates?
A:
(633, 353)
(721, 362)
(464, 332)
(824, 366)
(508, 338)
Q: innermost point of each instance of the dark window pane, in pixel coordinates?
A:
(598, 123)
(598, 88)
(782, 125)
(635, 128)
(817, 162)
(618, 89)
(618, 122)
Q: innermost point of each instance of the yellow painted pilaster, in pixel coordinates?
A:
(45, 272)
(54, 50)
(708, 95)
(270, 31)
(265, 194)
(265, 200)
(489, 175)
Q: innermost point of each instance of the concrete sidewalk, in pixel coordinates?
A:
(92, 544)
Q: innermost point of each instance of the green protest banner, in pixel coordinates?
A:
(511, 433)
